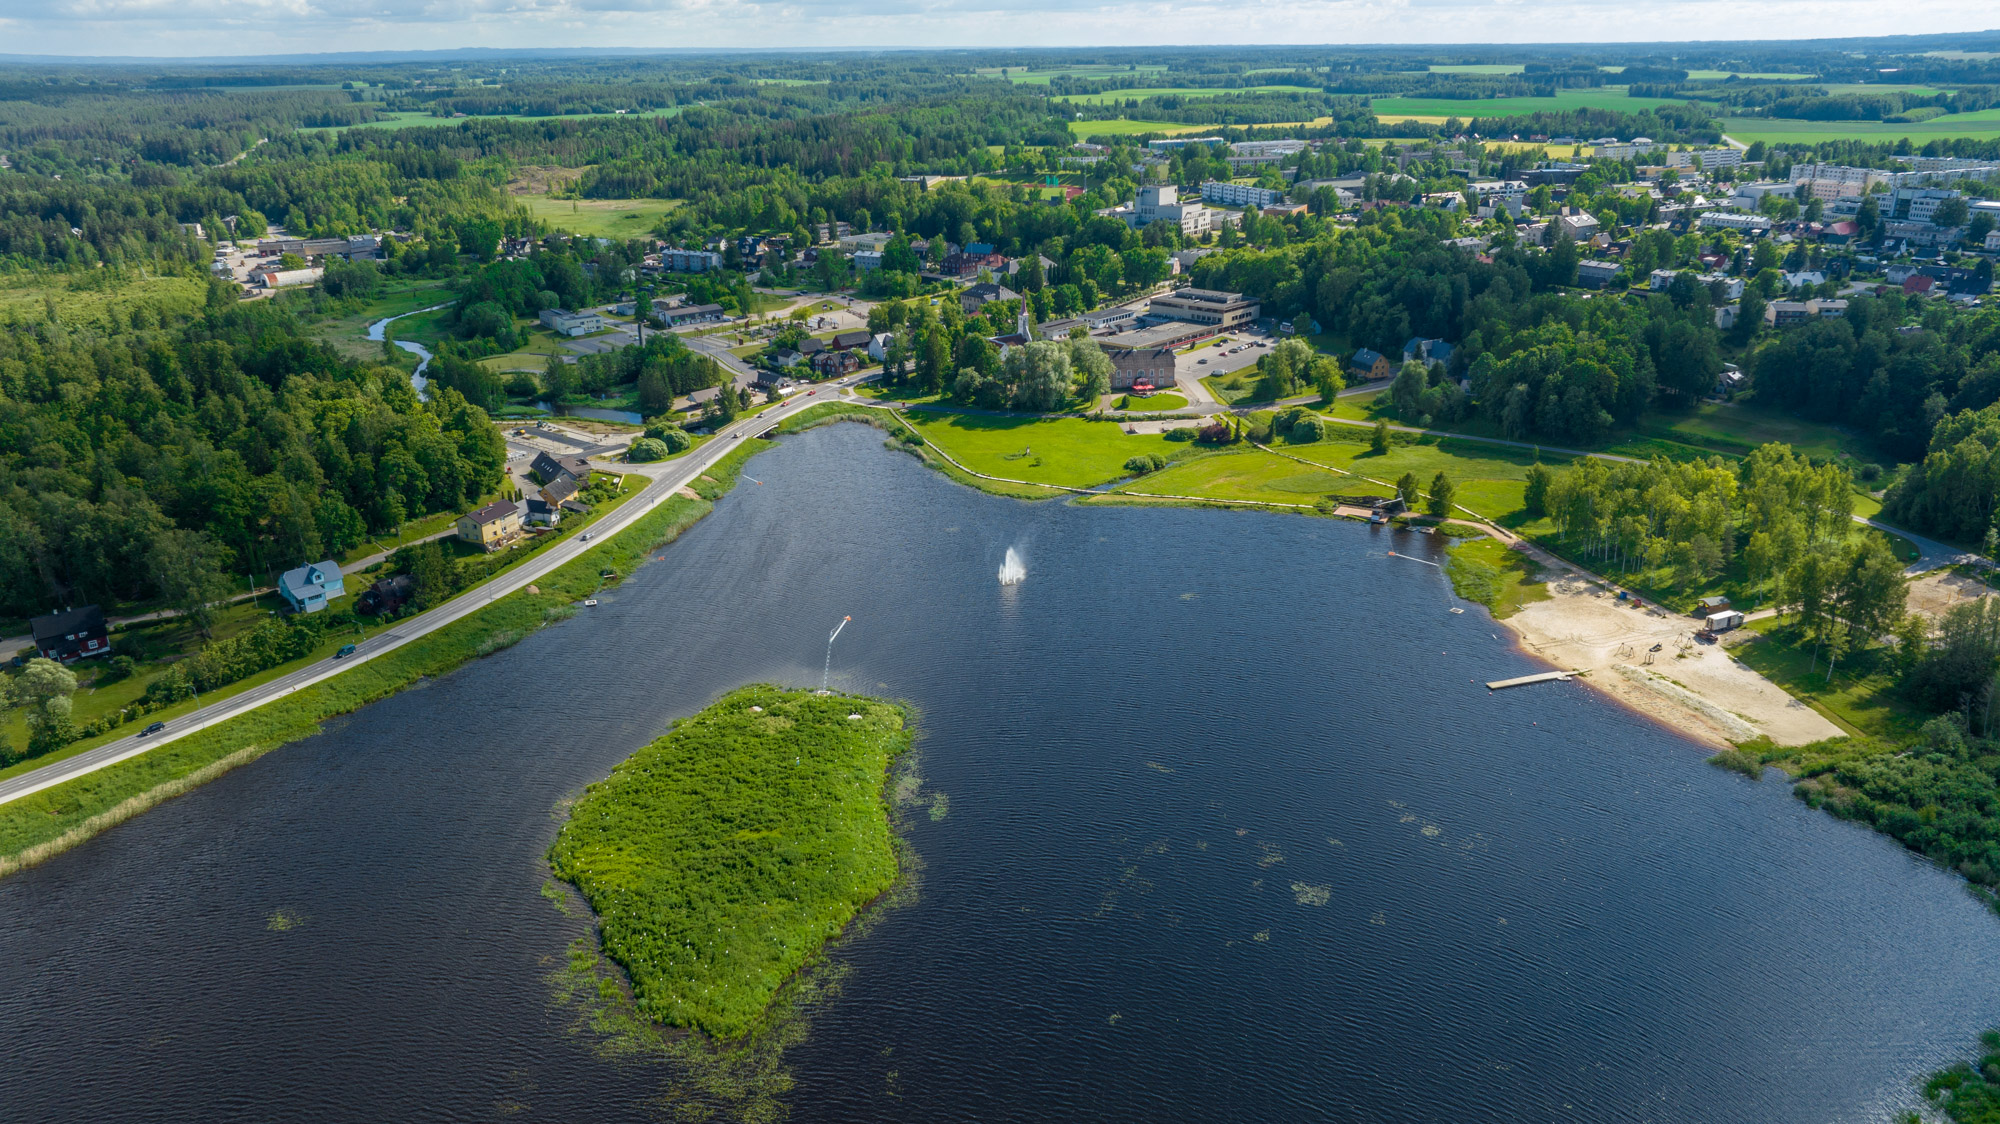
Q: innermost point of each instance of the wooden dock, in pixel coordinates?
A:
(1543, 677)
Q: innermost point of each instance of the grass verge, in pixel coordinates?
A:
(722, 857)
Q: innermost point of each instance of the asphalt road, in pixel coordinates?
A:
(673, 476)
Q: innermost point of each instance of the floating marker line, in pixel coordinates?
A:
(827, 672)
(1414, 558)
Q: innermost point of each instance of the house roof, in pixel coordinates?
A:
(303, 579)
(55, 626)
(851, 339)
(498, 509)
(561, 488)
(1366, 358)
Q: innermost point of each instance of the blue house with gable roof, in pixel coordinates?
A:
(308, 588)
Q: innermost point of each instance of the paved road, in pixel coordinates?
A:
(669, 478)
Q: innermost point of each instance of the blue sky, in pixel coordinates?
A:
(228, 27)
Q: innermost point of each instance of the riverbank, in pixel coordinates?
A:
(38, 826)
(721, 858)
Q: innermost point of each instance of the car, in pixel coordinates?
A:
(346, 650)
(590, 602)
(1202, 362)
(153, 729)
(812, 392)
(585, 537)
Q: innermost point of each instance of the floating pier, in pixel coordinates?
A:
(1543, 677)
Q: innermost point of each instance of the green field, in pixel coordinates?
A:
(409, 118)
(1734, 430)
(1067, 451)
(1115, 97)
(1028, 76)
(721, 858)
(1157, 403)
(1123, 128)
(1479, 68)
(89, 297)
(1721, 75)
(1503, 580)
(621, 219)
(1982, 125)
(1606, 97)
(1248, 474)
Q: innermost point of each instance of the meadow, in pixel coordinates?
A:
(1123, 128)
(722, 857)
(1068, 452)
(620, 219)
(1116, 97)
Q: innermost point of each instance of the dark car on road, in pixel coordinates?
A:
(153, 729)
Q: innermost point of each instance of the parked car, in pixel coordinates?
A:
(153, 729)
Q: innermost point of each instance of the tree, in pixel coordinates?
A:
(1442, 490)
(1407, 488)
(45, 687)
(1952, 212)
(434, 575)
(559, 379)
(1327, 380)
(1040, 374)
(1407, 391)
(1091, 369)
(190, 570)
(1378, 441)
(1535, 500)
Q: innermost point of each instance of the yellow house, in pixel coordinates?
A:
(492, 527)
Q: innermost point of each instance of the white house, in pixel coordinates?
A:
(308, 588)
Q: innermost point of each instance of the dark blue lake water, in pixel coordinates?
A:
(1232, 835)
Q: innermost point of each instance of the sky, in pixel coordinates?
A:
(251, 27)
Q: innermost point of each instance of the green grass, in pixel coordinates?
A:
(1603, 97)
(1156, 403)
(620, 219)
(1071, 452)
(45, 823)
(1736, 430)
(1862, 697)
(1247, 381)
(348, 332)
(1245, 474)
(89, 297)
(721, 858)
(1490, 479)
(1122, 128)
(1486, 571)
(1982, 125)
(1118, 97)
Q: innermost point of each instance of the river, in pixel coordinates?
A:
(1232, 835)
(380, 328)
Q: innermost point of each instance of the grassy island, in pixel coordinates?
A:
(722, 857)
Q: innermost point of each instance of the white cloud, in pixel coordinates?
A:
(208, 27)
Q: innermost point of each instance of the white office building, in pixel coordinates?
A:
(1162, 203)
(1711, 158)
(1239, 194)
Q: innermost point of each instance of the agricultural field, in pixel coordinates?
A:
(407, 119)
(1123, 128)
(1724, 75)
(1026, 76)
(1982, 125)
(621, 219)
(1114, 97)
(1479, 68)
(1607, 97)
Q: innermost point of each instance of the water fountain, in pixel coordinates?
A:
(1012, 572)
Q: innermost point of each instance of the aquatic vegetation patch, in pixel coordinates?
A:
(283, 921)
(722, 857)
(1308, 894)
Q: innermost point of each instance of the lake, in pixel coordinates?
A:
(1232, 835)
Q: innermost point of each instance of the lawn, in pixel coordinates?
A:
(1067, 451)
(1736, 430)
(1490, 479)
(1356, 407)
(721, 858)
(1603, 97)
(1982, 125)
(620, 219)
(1245, 390)
(1246, 474)
(1157, 403)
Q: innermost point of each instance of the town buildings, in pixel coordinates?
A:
(1239, 195)
(563, 322)
(1220, 310)
(1157, 366)
(691, 261)
(493, 527)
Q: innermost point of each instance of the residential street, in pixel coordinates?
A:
(668, 477)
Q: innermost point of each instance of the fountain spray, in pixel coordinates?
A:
(826, 673)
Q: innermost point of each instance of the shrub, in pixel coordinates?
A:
(647, 449)
(1306, 430)
(1146, 462)
(1184, 433)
